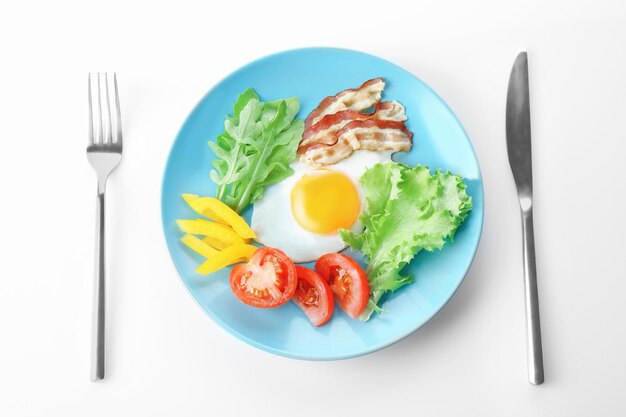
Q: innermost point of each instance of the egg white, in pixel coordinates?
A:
(273, 221)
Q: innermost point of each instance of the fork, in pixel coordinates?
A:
(104, 154)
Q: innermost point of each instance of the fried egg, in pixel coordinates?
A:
(302, 214)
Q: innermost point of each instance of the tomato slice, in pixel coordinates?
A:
(347, 280)
(314, 296)
(269, 280)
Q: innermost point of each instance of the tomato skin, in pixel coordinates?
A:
(347, 280)
(314, 296)
(269, 280)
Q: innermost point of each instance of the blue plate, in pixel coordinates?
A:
(312, 74)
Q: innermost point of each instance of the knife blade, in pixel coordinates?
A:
(518, 143)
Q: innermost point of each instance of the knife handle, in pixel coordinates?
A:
(533, 328)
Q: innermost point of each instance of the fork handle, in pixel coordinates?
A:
(98, 351)
(533, 329)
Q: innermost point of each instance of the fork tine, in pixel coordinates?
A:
(90, 109)
(99, 137)
(108, 136)
(118, 113)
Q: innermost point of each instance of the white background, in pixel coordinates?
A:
(165, 356)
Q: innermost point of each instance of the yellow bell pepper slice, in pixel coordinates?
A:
(215, 243)
(236, 253)
(218, 232)
(199, 246)
(205, 211)
(216, 210)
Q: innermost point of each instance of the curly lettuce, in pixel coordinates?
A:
(258, 144)
(407, 210)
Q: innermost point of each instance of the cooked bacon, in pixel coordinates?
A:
(337, 127)
(324, 131)
(390, 110)
(357, 99)
(370, 134)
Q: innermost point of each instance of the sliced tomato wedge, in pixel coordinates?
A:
(347, 280)
(314, 296)
(269, 280)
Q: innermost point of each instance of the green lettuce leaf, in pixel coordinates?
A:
(407, 210)
(258, 144)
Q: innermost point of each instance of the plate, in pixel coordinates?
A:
(312, 74)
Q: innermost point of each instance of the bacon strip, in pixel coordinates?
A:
(390, 110)
(370, 134)
(337, 127)
(324, 131)
(357, 99)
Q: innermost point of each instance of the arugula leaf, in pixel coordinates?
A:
(407, 210)
(258, 144)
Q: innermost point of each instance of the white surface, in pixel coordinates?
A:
(165, 356)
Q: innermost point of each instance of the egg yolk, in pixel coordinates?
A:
(325, 201)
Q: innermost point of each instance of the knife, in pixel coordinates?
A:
(520, 159)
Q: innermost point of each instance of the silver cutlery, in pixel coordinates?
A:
(520, 159)
(104, 153)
